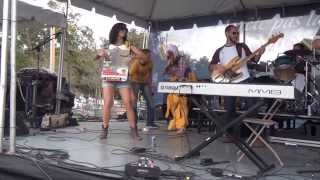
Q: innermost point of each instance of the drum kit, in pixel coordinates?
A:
(300, 68)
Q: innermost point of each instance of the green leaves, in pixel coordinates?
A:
(80, 69)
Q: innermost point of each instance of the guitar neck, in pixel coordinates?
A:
(251, 56)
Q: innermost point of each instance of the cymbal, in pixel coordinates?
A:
(298, 52)
(314, 62)
(258, 67)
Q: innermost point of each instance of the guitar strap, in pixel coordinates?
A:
(239, 49)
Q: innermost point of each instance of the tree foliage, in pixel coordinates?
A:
(80, 68)
(135, 38)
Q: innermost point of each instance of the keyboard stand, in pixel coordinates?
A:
(243, 146)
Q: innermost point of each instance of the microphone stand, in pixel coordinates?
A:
(35, 83)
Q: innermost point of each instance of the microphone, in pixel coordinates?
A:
(46, 40)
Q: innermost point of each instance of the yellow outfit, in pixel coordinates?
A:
(177, 106)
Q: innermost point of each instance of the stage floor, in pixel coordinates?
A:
(83, 144)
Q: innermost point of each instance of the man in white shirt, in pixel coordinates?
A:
(224, 55)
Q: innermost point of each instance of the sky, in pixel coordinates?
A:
(100, 25)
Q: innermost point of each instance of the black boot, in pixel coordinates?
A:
(104, 132)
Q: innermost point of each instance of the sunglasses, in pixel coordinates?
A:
(235, 33)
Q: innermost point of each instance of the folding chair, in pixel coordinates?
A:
(260, 125)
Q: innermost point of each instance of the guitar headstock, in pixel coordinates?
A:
(274, 38)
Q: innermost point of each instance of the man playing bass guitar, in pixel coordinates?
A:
(225, 58)
(219, 67)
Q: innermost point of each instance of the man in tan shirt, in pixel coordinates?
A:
(140, 73)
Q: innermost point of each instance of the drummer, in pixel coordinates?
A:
(298, 52)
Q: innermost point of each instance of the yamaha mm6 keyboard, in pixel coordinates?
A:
(221, 89)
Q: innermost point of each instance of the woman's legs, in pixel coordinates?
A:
(108, 94)
(134, 98)
(126, 93)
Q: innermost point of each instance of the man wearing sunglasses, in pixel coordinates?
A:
(224, 55)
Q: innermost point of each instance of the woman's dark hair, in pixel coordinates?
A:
(115, 30)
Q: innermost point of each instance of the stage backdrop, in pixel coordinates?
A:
(199, 44)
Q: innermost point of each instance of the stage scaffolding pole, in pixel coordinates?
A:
(61, 62)
(13, 80)
(144, 39)
(3, 77)
(148, 36)
(60, 73)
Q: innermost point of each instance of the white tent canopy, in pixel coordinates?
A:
(27, 12)
(185, 13)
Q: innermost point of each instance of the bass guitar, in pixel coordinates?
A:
(235, 64)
